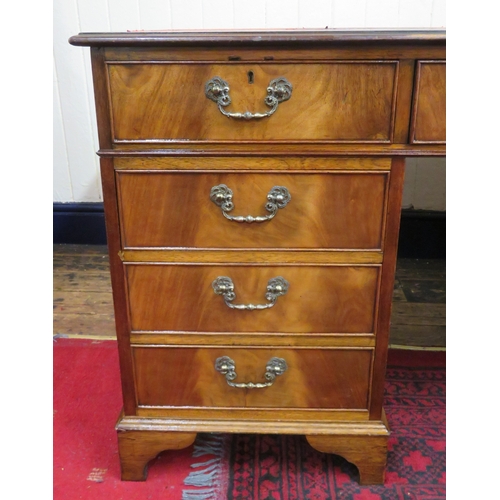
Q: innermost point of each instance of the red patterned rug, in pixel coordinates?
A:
(286, 467)
(225, 467)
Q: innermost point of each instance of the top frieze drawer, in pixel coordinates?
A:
(428, 120)
(171, 102)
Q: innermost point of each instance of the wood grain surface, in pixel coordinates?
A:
(283, 54)
(257, 256)
(337, 210)
(138, 448)
(340, 101)
(83, 304)
(293, 38)
(264, 160)
(429, 108)
(368, 453)
(387, 286)
(391, 93)
(315, 378)
(321, 299)
(118, 285)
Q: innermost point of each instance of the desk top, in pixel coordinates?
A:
(327, 36)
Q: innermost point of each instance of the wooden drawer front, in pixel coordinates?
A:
(336, 210)
(323, 299)
(314, 378)
(429, 105)
(348, 101)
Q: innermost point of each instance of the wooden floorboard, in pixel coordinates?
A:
(83, 303)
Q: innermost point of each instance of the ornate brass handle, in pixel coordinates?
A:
(222, 196)
(279, 90)
(274, 367)
(224, 286)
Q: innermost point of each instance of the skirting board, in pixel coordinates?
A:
(79, 223)
(422, 234)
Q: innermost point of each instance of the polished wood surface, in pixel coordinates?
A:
(118, 286)
(342, 101)
(138, 448)
(258, 160)
(406, 74)
(293, 149)
(242, 419)
(83, 303)
(326, 378)
(349, 426)
(368, 453)
(100, 81)
(257, 256)
(348, 52)
(339, 210)
(429, 108)
(296, 38)
(254, 339)
(339, 299)
(361, 102)
(387, 285)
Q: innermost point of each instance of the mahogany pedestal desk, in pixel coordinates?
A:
(252, 189)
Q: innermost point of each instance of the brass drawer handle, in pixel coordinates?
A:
(224, 286)
(274, 367)
(277, 198)
(279, 90)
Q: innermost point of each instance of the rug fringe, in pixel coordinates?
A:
(203, 477)
(211, 445)
(207, 474)
(198, 495)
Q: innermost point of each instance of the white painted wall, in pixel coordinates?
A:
(76, 174)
